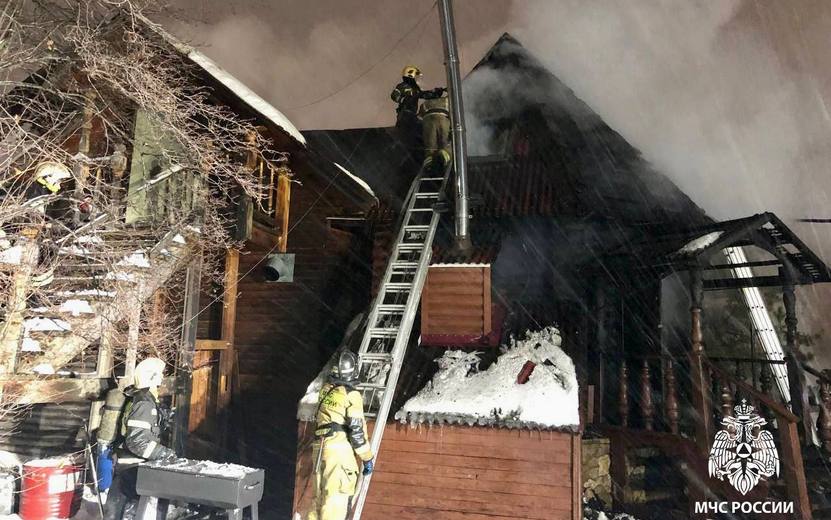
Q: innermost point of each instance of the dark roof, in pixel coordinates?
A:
(702, 246)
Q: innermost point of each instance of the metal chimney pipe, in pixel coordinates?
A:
(457, 120)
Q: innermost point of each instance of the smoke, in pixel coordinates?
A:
(729, 99)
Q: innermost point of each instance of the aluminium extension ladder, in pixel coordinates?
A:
(390, 321)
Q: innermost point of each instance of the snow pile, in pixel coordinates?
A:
(76, 307)
(461, 393)
(11, 256)
(207, 467)
(45, 325)
(702, 242)
(135, 259)
(30, 345)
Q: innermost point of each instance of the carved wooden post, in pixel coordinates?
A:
(793, 357)
(726, 397)
(766, 385)
(671, 397)
(698, 369)
(623, 398)
(824, 420)
(646, 397)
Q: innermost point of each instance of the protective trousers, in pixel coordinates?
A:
(336, 477)
(436, 133)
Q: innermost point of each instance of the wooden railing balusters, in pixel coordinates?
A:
(647, 407)
(671, 397)
(623, 398)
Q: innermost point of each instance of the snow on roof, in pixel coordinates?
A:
(360, 182)
(702, 242)
(459, 393)
(244, 93)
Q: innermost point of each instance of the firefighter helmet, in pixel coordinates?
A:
(411, 71)
(50, 174)
(149, 373)
(346, 369)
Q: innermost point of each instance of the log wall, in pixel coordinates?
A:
(470, 473)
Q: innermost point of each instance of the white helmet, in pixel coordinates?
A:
(149, 373)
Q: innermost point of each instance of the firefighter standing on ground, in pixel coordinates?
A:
(340, 435)
(406, 94)
(142, 424)
(435, 120)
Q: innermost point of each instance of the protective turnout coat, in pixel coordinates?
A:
(143, 423)
(341, 434)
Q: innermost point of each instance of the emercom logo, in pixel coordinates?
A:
(743, 452)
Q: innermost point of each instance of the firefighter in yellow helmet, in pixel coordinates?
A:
(406, 96)
(435, 121)
(340, 436)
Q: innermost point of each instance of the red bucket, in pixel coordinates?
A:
(51, 489)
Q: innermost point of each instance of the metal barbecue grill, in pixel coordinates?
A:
(226, 487)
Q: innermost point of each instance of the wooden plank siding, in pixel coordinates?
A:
(456, 301)
(460, 472)
(285, 332)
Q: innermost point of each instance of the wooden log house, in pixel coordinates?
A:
(572, 227)
(237, 334)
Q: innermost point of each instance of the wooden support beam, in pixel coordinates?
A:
(212, 344)
(184, 368)
(12, 330)
(793, 469)
(797, 382)
(58, 390)
(228, 356)
(283, 207)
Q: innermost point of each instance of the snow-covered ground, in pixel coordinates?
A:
(461, 393)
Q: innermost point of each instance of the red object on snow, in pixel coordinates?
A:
(525, 372)
(52, 488)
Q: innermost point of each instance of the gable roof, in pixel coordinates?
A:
(244, 94)
(584, 164)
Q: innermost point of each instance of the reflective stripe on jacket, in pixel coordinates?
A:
(142, 427)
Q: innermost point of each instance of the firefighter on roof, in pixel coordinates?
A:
(340, 434)
(435, 117)
(142, 424)
(406, 95)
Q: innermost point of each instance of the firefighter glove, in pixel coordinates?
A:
(368, 467)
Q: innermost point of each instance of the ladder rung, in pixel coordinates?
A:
(421, 209)
(377, 332)
(398, 286)
(374, 357)
(372, 386)
(427, 195)
(400, 264)
(434, 179)
(411, 247)
(391, 308)
(417, 227)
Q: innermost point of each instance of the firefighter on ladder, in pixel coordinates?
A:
(406, 96)
(143, 421)
(340, 435)
(435, 120)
